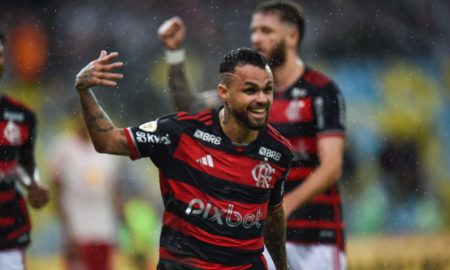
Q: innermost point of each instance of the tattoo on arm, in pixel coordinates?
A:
(105, 137)
(180, 89)
(95, 120)
(123, 143)
(275, 237)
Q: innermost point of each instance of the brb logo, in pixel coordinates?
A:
(228, 216)
(262, 174)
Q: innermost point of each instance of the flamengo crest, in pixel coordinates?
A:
(262, 173)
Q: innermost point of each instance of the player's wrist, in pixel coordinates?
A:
(174, 57)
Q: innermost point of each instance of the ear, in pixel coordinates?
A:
(223, 92)
(292, 38)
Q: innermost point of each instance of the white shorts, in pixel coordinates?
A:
(311, 257)
(12, 259)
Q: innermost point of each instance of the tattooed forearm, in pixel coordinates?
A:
(180, 91)
(95, 117)
(275, 237)
(99, 125)
(100, 122)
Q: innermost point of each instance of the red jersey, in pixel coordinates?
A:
(310, 109)
(17, 134)
(216, 194)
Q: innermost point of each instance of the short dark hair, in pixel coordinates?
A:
(2, 38)
(288, 11)
(242, 56)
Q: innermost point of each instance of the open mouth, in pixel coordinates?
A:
(258, 112)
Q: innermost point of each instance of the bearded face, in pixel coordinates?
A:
(277, 56)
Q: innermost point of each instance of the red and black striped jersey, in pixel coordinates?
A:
(17, 134)
(216, 194)
(312, 108)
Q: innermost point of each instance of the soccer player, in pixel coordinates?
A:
(18, 135)
(221, 171)
(308, 109)
(88, 190)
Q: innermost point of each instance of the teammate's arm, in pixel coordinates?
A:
(172, 33)
(105, 137)
(275, 236)
(37, 195)
(330, 151)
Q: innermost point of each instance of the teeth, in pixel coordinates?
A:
(258, 110)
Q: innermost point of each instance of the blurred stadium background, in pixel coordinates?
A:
(390, 58)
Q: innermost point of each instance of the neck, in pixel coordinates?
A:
(235, 130)
(288, 73)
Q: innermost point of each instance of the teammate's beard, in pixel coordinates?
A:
(278, 56)
(243, 118)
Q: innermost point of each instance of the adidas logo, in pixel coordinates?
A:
(206, 160)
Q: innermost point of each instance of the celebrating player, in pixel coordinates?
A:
(221, 171)
(308, 109)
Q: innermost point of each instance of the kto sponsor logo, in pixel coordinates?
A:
(269, 153)
(228, 216)
(207, 137)
(144, 137)
(262, 174)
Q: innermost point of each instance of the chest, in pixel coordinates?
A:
(248, 169)
(14, 130)
(293, 109)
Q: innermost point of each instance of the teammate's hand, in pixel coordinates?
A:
(37, 196)
(172, 33)
(99, 72)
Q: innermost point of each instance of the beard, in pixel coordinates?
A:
(277, 56)
(243, 118)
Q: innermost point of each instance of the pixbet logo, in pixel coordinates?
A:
(262, 173)
(228, 216)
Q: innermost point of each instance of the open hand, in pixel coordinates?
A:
(172, 33)
(99, 72)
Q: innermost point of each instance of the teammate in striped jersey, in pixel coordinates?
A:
(309, 110)
(221, 171)
(17, 137)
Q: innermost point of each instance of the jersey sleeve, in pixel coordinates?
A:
(153, 139)
(329, 108)
(276, 194)
(31, 141)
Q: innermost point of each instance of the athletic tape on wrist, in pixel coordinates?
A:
(175, 57)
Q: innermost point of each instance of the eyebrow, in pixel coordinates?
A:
(255, 85)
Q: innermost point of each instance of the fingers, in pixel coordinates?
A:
(102, 54)
(109, 67)
(106, 58)
(99, 72)
(107, 75)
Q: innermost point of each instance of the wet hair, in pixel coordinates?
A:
(288, 11)
(239, 57)
(2, 38)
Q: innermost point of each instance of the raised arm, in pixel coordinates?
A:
(275, 237)
(105, 137)
(172, 33)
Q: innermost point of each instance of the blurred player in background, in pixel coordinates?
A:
(221, 172)
(308, 109)
(17, 140)
(87, 199)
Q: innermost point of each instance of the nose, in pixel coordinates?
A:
(256, 39)
(262, 98)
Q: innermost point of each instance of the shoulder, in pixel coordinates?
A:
(202, 118)
(19, 105)
(282, 143)
(316, 78)
(324, 85)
